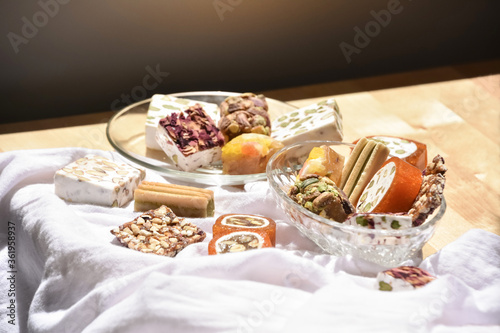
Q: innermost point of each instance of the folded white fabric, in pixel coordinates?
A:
(72, 276)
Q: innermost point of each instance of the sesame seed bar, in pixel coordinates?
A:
(158, 231)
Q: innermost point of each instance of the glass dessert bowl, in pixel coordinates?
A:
(388, 248)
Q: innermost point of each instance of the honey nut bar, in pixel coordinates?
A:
(366, 159)
(431, 192)
(158, 231)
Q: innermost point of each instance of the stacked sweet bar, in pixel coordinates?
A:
(184, 201)
(190, 138)
(403, 278)
(97, 180)
(313, 122)
(164, 105)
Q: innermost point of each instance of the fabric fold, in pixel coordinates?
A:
(73, 276)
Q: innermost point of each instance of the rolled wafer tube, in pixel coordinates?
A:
(365, 160)
(403, 278)
(184, 201)
(180, 189)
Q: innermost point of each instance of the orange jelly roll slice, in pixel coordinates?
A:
(392, 189)
(245, 222)
(238, 241)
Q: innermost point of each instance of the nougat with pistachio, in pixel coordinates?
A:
(95, 179)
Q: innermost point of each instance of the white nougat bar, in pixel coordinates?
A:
(381, 221)
(319, 121)
(186, 162)
(403, 278)
(97, 180)
(163, 105)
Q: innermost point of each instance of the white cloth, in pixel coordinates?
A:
(72, 276)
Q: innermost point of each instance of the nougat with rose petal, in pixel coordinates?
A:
(190, 138)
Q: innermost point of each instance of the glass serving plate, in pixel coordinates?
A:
(388, 248)
(126, 133)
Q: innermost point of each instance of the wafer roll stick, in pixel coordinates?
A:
(365, 160)
(351, 161)
(181, 189)
(377, 158)
(184, 201)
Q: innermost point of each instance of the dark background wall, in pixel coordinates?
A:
(61, 57)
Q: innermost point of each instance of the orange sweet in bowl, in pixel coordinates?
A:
(324, 161)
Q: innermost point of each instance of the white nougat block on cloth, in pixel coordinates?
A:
(73, 276)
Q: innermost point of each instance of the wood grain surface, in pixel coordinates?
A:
(457, 118)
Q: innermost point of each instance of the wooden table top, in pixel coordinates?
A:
(458, 119)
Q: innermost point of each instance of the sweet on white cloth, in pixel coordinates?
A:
(72, 276)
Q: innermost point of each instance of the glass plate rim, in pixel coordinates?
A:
(190, 177)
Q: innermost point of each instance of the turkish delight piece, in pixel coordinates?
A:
(186, 201)
(392, 189)
(318, 121)
(244, 222)
(365, 160)
(403, 278)
(239, 241)
(158, 231)
(163, 105)
(190, 138)
(430, 195)
(410, 151)
(323, 161)
(248, 153)
(321, 196)
(245, 113)
(97, 180)
(380, 221)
